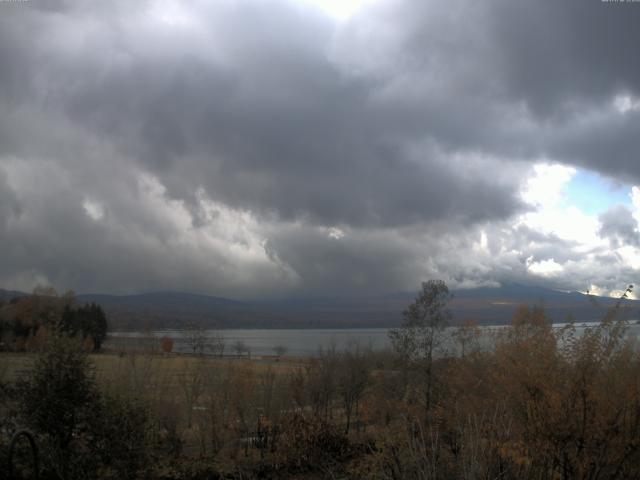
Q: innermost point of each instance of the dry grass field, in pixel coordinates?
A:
(202, 406)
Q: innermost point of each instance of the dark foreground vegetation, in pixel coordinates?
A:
(540, 403)
(26, 322)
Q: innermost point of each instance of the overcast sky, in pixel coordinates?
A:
(318, 147)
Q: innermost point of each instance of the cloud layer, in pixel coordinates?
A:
(259, 147)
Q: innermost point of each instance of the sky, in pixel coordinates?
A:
(271, 148)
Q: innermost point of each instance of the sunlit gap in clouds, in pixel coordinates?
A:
(176, 14)
(340, 10)
(171, 13)
(573, 205)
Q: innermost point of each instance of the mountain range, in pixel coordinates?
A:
(484, 305)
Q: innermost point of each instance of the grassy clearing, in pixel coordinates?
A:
(12, 365)
(181, 390)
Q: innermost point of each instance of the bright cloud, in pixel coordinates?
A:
(171, 13)
(338, 9)
(335, 233)
(558, 213)
(626, 103)
(94, 209)
(545, 268)
(554, 212)
(545, 188)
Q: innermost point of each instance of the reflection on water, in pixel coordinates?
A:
(305, 342)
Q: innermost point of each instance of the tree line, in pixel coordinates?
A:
(26, 322)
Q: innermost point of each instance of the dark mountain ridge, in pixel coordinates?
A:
(484, 305)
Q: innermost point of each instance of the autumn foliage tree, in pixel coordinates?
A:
(166, 344)
(31, 318)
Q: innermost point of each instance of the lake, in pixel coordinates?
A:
(297, 342)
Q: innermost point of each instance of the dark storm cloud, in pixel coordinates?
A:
(555, 54)
(567, 61)
(264, 122)
(521, 80)
(214, 146)
(606, 143)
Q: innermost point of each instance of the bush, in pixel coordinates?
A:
(309, 444)
(81, 432)
(122, 436)
(57, 400)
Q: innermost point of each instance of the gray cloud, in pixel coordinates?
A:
(619, 226)
(9, 205)
(523, 81)
(557, 54)
(215, 150)
(254, 123)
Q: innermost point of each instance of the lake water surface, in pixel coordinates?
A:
(298, 342)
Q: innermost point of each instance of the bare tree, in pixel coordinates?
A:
(353, 378)
(191, 380)
(197, 338)
(240, 347)
(218, 343)
(279, 350)
(422, 331)
(320, 381)
(467, 336)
